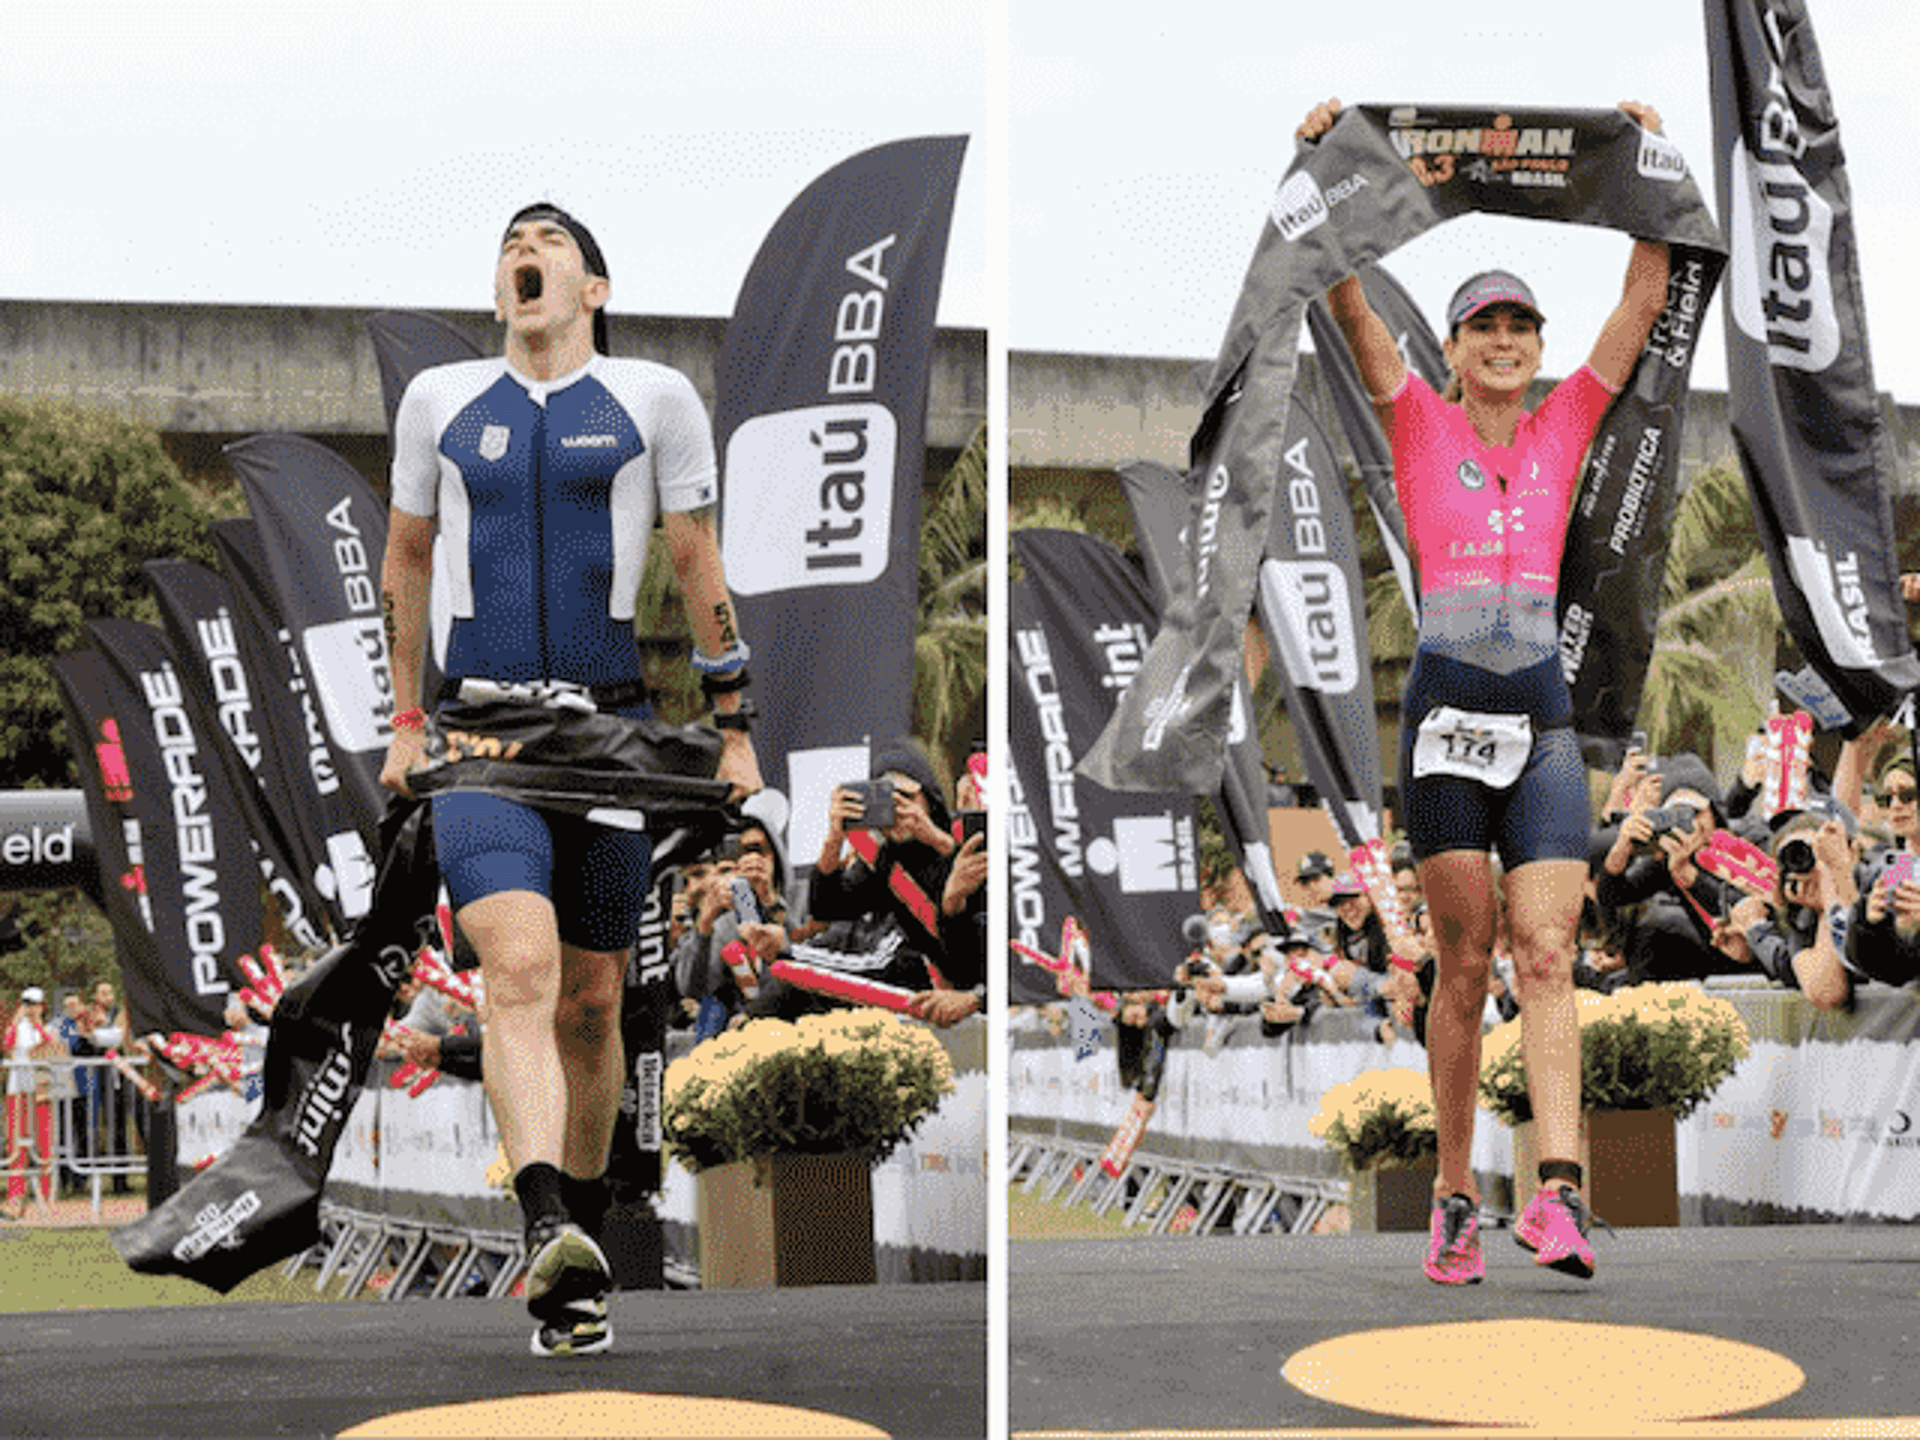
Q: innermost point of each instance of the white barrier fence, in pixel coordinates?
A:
(1820, 1123)
(412, 1165)
(92, 1131)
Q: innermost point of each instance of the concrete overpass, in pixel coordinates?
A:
(207, 374)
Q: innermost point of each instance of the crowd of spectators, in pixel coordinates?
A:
(49, 1097)
(1808, 882)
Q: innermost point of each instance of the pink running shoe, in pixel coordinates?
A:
(1453, 1243)
(1554, 1226)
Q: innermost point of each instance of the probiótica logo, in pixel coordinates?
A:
(809, 498)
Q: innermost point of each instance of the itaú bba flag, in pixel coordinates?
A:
(1806, 421)
(820, 421)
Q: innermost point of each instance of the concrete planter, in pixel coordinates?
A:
(1629, 1161)
(780, 1220)
(1392, 1199)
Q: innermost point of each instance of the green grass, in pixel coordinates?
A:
(1031, 1218)
(78, 1269)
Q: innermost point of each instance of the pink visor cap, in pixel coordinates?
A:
(1490, 287)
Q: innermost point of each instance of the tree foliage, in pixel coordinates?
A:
(88, 497)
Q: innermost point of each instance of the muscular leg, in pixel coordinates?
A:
(1459, 891)
(1543, 910)
(587, 1033)
(518, 941)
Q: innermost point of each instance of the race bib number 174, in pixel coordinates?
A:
(1492, 749)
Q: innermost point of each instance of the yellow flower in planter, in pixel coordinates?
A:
(844, 1080)
(1381, 1117)
(1648, 1047)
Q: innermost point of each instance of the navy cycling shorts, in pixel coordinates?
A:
(1543, 815)
(596, 877)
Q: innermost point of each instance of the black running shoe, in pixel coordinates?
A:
(564, 1266)
(580, 1328)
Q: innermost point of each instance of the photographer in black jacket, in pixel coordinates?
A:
(1649, 887)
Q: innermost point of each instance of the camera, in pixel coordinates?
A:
(876, 801)
(1796, 857)
(1665, 820)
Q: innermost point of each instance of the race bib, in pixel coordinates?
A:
(1492, 749)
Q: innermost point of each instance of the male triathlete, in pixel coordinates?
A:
(524, 490)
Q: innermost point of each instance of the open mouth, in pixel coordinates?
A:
(528, 282)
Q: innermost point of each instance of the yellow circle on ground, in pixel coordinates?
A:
(1541, 1372)
(593, 1414)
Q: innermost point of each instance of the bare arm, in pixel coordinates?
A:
(694, 546)
(405, 574)
(1382, 370)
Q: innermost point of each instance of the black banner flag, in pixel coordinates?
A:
(1807, 423)
(196, 881)
(100, 710)
(1127, 863)
(319, 814)
(1313, 607)
(323, 533)
(200, 618)
(820, 420)
(1381, 176)
(405, 342)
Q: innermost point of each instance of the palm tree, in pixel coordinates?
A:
(1715, 639)
(950, 643)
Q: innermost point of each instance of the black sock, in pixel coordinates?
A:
(1551, 1170)
(587, 1200)
(542, 1197)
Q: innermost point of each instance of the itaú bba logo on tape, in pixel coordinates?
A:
(809, 498)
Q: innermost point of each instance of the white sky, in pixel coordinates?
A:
(1143, 148)
(339, 152)
(336, 153)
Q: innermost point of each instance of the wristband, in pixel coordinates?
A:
(711, 685)
(741, 719)
(414, 719)
(732, 659)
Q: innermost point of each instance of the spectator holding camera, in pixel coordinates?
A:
(1800, 937)
(906, 861)
(1885, 943)
(1651, 866)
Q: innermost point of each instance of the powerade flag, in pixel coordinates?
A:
(1421, 353)
(197, 609)
(123, 810)
(1128, 862)
(1805, 418)
(405, 342)
(260, 1202)
(820, 421)
(1157, 496)
(202, 880)
(1037, 898)
(320, 816)
(1381, 176)
(1313, 606)
(324, 534)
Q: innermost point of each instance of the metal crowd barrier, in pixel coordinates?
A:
(95, 1134)
(1153, 1189)
(356, 1245)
